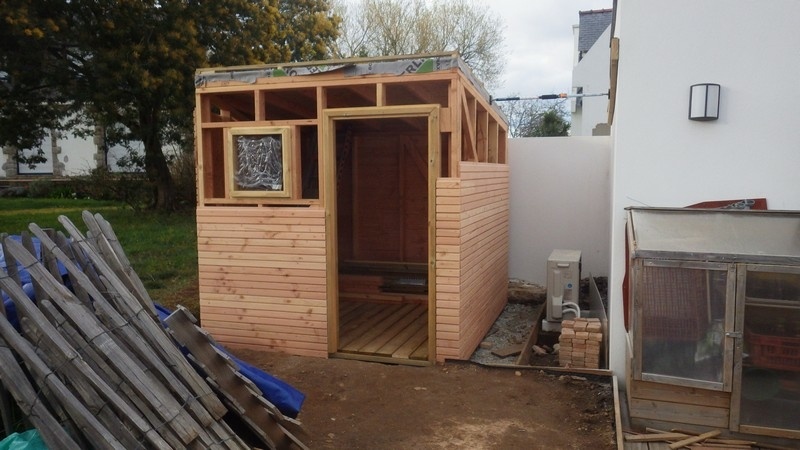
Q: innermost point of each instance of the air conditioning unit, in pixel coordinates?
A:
(563, 287)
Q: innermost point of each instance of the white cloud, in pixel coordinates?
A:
(539, 43)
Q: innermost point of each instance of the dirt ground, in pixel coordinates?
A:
(456, 405)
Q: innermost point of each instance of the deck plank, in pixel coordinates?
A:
(390, 316)
(411, 345)
(396, 329)
(364, 315)
(364, 327)
(420, 323)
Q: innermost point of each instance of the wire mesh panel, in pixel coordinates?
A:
(682, 322)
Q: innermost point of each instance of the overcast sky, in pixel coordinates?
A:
(539, 43)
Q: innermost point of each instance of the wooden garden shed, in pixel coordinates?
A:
(353, 208)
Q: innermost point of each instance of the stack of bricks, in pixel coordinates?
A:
(579, 344)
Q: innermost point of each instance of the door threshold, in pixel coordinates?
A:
(381, 359)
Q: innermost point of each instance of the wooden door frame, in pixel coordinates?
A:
(328, 146)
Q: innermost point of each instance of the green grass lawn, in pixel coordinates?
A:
(162, 248)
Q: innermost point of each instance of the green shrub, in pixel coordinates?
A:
(40, 188)
(130, 188)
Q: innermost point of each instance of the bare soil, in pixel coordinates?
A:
(457, 405)
(487, 403)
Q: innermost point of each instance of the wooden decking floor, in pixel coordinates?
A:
(384, 330)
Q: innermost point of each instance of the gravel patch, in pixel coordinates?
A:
(512, 327)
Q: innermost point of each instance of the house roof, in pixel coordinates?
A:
(592, 24)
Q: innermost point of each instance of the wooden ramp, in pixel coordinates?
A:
(377, 331)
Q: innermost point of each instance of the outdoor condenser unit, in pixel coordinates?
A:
(563, 287)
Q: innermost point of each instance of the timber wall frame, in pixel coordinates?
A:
(268, 265)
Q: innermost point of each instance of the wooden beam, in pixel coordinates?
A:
(482, 134)
(613, 70)
(468, 117)
(694, 439)
(525, 357)
(455, 107)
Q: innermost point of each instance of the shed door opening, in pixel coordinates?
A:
(382, 237)
(381, 166)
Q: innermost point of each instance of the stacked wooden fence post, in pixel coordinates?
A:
(104, 372)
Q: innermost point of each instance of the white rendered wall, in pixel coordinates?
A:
(77, 154)
(41, 168)
(663, 159)
(560, 194)
(592, 73)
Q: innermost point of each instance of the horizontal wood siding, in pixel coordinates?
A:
(678, 404)
(262, 277)
(471, 256)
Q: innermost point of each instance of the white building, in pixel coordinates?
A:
(660, 157)
(66, 154)
(590, 73)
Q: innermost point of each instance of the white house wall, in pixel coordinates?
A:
(77, 154)
(660, 157)
(592, 74)
(560, 193)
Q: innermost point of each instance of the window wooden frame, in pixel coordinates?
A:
(284, 189)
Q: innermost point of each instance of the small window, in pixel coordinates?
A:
(259, 162)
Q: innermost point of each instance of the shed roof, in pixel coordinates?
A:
(349, 67)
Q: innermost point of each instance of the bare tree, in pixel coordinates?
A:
(402, 27)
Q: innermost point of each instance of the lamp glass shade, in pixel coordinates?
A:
(704, 101)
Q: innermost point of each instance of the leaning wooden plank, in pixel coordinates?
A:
(133, 340)
(99, 365)
(221, 369)
(27, 242)
(141, 318)
(694, 439)
(109, 246)
(64, 248)
(47, 258)
(11, 263)
(83, 262)
(99, 434)
(152, 391)
(63, 355)
(14, 378)
(524, 358)
(655, 437)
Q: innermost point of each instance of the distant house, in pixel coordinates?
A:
(66, 154)
(590, 74)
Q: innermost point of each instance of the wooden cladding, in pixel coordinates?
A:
(471, 256)
(262, 277)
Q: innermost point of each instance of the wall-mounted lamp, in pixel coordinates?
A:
(704, 101)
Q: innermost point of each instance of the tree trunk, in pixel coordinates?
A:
(155, 163)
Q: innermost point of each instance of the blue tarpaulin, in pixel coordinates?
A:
(281, 394)
(28, 440)
(285, 397)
